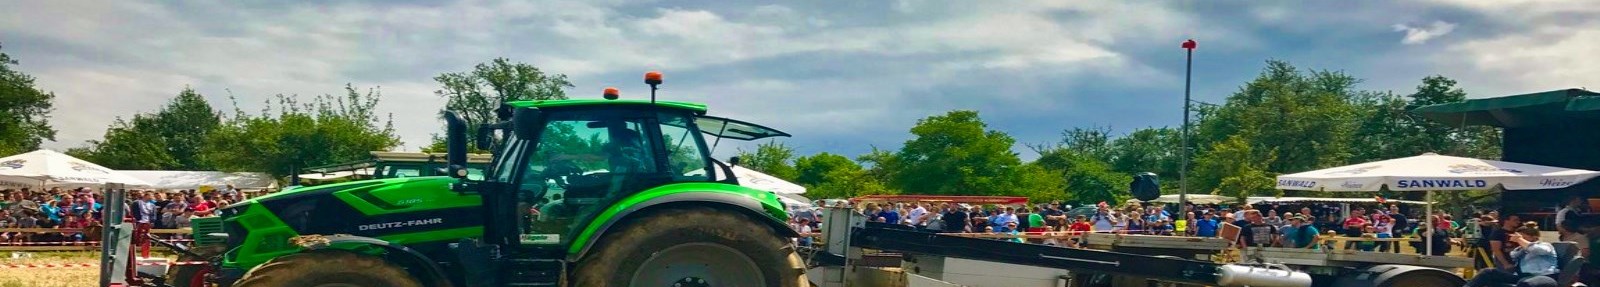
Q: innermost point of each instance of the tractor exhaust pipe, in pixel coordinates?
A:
(455, 145)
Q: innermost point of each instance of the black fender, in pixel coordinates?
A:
(431, 274)
(727, 201)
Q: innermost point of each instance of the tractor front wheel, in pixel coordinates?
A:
(327, 269)
(692, 247)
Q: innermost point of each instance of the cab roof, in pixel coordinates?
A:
(696, 107)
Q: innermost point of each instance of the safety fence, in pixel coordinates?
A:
(95, 265)
(73, 245)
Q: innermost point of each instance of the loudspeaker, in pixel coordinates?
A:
(1146, 186)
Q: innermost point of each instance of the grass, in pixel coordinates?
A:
(53, 276)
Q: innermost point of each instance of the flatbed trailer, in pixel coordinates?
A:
(1327, 267)
(930, 259)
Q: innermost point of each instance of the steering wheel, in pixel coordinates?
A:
(559, 168)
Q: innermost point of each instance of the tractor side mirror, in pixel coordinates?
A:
(734, 161)
(525, 123)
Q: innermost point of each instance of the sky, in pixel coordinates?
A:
(841, 76)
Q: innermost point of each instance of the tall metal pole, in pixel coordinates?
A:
(1183, 165)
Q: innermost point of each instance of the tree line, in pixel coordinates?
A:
(1286, 120)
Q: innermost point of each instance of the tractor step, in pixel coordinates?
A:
(535, 272)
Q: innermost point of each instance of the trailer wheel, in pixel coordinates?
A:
(327, 269)
(692, 247)
(1422, 280)
(193, 275)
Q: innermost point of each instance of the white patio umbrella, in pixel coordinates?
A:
(1432, 172)
(48, 168)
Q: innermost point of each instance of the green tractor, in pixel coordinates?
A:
(582, 192)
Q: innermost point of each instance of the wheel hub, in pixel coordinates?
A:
(698, 264)
(691, 282)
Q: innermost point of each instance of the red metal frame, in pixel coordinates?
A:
(1004, 200)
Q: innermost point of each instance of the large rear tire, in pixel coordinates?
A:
(327, 269)
(692, 247)
(193, 275)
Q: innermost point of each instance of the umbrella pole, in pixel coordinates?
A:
(1429, 222)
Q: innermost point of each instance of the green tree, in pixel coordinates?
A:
(771, 158)
(1390, 130)
(827, 175)
(1083, 177)
(288, 134)
(1149, 150)
(24, 111)
(1093, 142)
(1233, 167)
(477, 93)
(172, 138)
(1304, 120)
(956, 154)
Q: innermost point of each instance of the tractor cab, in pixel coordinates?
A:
(566, 171)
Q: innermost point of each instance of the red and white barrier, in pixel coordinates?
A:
(92, 265)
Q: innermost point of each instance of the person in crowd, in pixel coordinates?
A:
(1568, 217)
(956, 220)
(1206, 226)
(1104, 220)
(1055, 216)
(999, 216)
(914, 216)
(1440, 241)
(1368, 232)
(1398, 224)
(891, 215)
(1273, 218)
(1036, 222)
(183, 220)
(933, 219)
(1531, 263)
(1353, 226)
(1078, 229)
(1011, 229)
(803, 226)
(1500, 243)
(1384, 228)
(1300, 233)
(1255, 232)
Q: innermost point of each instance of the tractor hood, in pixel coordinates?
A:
(393, 207)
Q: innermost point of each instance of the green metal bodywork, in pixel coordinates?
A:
(768, 201)
(269, 236)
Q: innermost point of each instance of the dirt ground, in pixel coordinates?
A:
(75, 276)
(49, 276)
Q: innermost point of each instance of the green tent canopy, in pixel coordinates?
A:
(1516, 110)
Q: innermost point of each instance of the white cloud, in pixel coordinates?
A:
(131, 56)
(1419, 35)
(1544, 45)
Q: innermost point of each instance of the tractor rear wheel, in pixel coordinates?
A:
(692, 247)
(193, 275)
(327, 269)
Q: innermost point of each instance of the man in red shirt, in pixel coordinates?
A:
(204, 207)
(1352, 225)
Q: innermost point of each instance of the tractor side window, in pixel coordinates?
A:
(583, 162)
(685, 153)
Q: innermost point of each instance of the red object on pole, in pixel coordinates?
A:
(1190, 44)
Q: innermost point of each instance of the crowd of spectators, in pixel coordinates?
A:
(79, 212)
(1292, 225)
